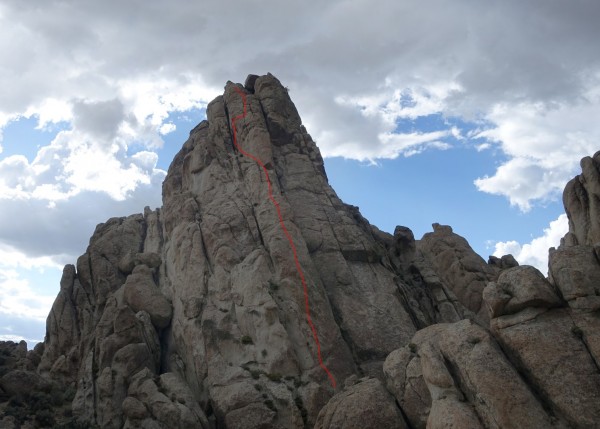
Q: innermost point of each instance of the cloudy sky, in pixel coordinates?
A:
(466, 112)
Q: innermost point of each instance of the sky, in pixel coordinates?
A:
(467, 112)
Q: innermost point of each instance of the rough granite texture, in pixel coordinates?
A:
(193, 315)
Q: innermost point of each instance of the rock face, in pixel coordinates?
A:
(366, 404)
(195, 315)
(581, 199)
(459, 267)
(470, 382)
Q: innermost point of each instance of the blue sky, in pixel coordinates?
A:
(474, 116)
(394, 193)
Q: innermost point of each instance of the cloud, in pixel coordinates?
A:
(544, 145)
(13, 258)
(522, 179)
(17, 329)
(98, 118)
(536, 251)
(72, 184)
(167, 128)
(374, 119)
(76, 162)
(25, 302)
(19, 300)
(411, 144)
(478, 57)
(529, 71)
(61, 230)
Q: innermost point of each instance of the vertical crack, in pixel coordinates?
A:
(229, 125)
(468, 395)
(206, 255)
(404, 416)
(527, 378)
(202, 243)
(144, 226)
(159, 226)
(579, 333)
(405, 304)
(260, 236)
(587, 348)
(94, 386)
(92, 282)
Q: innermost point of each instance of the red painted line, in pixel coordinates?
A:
(287, 235)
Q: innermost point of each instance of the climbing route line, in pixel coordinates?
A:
(285, 232)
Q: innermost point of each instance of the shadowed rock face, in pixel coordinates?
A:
(194, 315)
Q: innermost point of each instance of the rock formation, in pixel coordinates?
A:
(194, 315)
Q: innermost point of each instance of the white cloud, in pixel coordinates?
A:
(544, 145)
(167, 128)
(360, 116)
(522, 179)
(91, 169)
(50, 110)
(152, 98)
(18, 299)
(13, 258)
(75, 162)
(536, 251)
(28, 287)
(411, 144)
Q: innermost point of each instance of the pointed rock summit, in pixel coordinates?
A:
(255, 298)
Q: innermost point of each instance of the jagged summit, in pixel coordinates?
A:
(194, 314)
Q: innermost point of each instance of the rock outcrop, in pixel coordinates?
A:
(459, 267)
(470, 382)
(195, 315)
(206, 288)
(581, 198)
(537, 365)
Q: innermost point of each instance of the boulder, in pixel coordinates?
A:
(576, 272)
(504, 262)
(141, 293)
(365, 405)
(518, 288)
(22, 383)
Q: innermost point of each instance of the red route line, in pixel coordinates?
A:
(286, 233)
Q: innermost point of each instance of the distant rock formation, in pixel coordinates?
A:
(193, 315)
